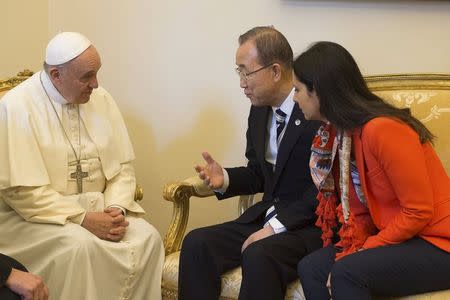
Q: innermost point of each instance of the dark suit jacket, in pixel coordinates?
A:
(289, 187)
(5, 268)
(6, 265)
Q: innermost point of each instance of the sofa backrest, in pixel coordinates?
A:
(428, 97)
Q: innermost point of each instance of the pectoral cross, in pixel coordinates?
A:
(79, 175)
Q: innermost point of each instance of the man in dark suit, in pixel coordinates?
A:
(16, 283)
(270, 237)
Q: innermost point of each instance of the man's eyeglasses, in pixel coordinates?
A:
(246, 75)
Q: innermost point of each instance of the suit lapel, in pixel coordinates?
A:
(260, 135)
(291, 135)
(261, 131)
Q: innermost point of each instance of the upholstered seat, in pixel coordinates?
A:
(428, 97)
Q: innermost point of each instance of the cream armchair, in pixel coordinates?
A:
(9, 83)
(428, 97)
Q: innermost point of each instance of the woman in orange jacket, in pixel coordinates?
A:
(384, 196)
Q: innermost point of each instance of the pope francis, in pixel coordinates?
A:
(67, 209)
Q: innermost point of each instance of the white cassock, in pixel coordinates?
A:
(41, 211)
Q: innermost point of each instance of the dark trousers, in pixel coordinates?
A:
(412, 267)
(5, 292)
(268, 265)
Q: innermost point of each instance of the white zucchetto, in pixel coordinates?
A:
(64, 47)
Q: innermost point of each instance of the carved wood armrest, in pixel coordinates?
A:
(9, 83)
(139, 193)
(179, 193)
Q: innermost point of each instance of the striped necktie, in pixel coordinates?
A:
(270, 213)
(280, 118)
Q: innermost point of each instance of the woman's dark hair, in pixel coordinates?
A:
(345, 100)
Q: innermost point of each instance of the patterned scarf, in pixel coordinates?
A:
(352, 212)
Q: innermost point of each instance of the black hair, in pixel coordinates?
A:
(345, 100)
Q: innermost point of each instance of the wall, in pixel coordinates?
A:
(24, 35)
(169, 65)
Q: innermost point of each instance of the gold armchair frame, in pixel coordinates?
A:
(11, 82)
(179, 193)
(416, 81)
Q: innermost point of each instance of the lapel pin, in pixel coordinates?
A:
(297, 122)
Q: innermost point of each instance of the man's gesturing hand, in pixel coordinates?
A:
(211, 173)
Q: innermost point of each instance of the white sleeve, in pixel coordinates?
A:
(44, 205)
(226, 182)
(120, 190)
(277, 226)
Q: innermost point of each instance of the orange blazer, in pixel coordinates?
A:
(406, 186)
